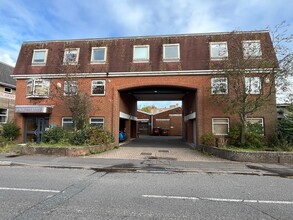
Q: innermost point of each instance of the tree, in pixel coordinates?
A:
(252, 73)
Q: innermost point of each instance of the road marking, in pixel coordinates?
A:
(30, 190)
(219, 199)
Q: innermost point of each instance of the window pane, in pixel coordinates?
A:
(98, 87)
(221, 129)
(97, 122)
(99, 54)
(39, 56)
(141, 53)
(219, 50)
(71, 55)
(171, 52)
(70, 88)
(3, 115)
(251, 49)
(253, 85)
(219, 86)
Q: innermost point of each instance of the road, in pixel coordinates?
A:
(46, 193)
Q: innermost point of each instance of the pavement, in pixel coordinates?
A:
(151, 154)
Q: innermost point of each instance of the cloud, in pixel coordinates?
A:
(5, 58)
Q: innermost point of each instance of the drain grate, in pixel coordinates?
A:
(164, 151)
(143, 153)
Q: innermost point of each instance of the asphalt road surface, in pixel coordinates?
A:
(46, 193)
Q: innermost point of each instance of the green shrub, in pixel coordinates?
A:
(208, 139)
(99, 136)
(79, 137)
(53, 135)
(10, 130)
(254, 136)
(285, 130)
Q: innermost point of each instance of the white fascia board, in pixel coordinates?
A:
(127, 116)
(58, 76)
(190, 116)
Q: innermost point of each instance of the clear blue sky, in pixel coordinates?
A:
(34, 20)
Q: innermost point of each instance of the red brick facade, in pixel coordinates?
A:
(192, 72)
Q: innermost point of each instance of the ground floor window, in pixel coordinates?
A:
(220, 126)
(67, 123)
(3, 115)
(97, 121)
(256, 121)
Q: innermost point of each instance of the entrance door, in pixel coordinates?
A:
(34, 128)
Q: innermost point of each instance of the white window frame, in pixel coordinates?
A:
(171, 59)
(4, 115)
(6, 88)
(103, 61)
(213, 83)
(67, 122)
(99, 118)
(221, 123)
(141, 60)
(103, 84)
(249, 49)
(34, 84)
(249, 85)
(219, 45)
(41, 63)
(65, 55)
(71, 84)
(261, 123)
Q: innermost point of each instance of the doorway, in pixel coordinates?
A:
(34, 128)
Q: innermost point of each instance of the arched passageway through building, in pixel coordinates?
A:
(129, 120)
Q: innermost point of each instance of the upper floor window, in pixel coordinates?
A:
(70, 88)
(97, 121)
(37, 88)
(220, 126)
(251, 49)
(40, 57)
(7, 90)
(218, 50)
(98, 87)
(3, 115)
(219, 85)
(252, 85)
(141, 53)
(98, 55)
(171, 52)
(71, 56)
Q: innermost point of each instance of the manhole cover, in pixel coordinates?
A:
(145, 153)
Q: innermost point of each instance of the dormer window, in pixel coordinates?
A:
(71, 56)
(141, 53)
(251, 49)
(218, 50)
(39, 57)
(99, 55)
(171, 52)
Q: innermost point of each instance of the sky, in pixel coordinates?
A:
(38, 20)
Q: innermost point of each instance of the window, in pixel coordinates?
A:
(98, 55)
(251, 49)
(252, 85)
(3, 115)
(220, 126)
(256, 121)
(67, 123)
(171, 52)
(219, 86)
(70, 88)
(71, 56)
(98, 87)
(141, 53)
(7, 90)
(97, 121)
(38, 88)
(40, 57)
(218, 50)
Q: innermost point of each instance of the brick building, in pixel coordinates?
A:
(115, 73)
(7, 93)
(169, 119)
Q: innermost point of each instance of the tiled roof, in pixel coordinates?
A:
(5, 75)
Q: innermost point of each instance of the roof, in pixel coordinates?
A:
(150, 36)
(5, 75)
